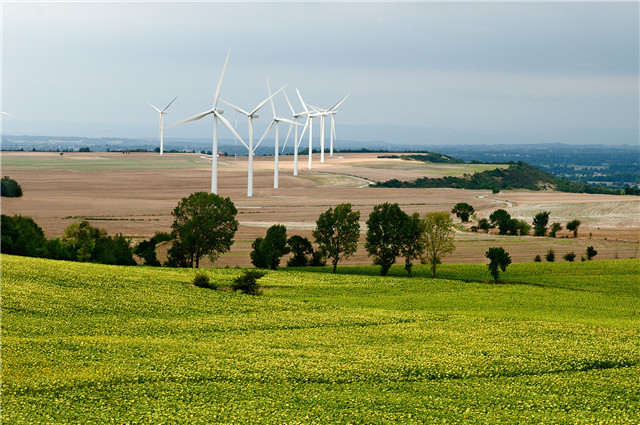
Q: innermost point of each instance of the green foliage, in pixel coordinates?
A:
(267, 252)
(433, 157)
(385, 234)
(463, 210)
(88, 343)
(537, 258)
(302, 251)
(147, 250)
(413, 240)
(10, 188)
(247, 282)
(83, 242)
(337, 232)
(540, 222)
(591, 252)
(572, 226)
(555, 228)
(80, 239)
(439, 233)
(550, 256)
(499, 259)
(569, 256)
(202, 280)
(22, 236)
(484, 224)
(502, 220)
(523, 228)
(204, 225)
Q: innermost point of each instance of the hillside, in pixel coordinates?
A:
(87, 343)
(519, 175)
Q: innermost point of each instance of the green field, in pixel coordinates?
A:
(558, 343)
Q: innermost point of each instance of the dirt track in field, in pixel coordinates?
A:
(135, 194)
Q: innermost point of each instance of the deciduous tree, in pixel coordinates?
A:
(499, 259)
(573, 227)
(540, 222)
(385, 234)
(337, 232)
(463, 210)
(439, 232)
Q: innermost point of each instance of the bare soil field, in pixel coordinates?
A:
(134, 194)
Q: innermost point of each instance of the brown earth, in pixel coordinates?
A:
(135, 194)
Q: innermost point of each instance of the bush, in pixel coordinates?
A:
(591, 252)
(247, 283)
(22, 236)
(498, 259)
(569, 256)
(201, 280)
(537, 258)
(267, 251)
(10, 188)
(551, 256)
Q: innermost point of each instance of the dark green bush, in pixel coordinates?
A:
(247, 282)
(551, 256)
(569, 256)
(201, 280)
(537, 258)
(10, 188)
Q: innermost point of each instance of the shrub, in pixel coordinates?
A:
(302, 249)
(551, 256)
(540, 222)
(268, 251)
(591, 252)
(247, 283)
(463, 210)
(10, 188)
(555, 228)
(569, 256)
(22, 236)
(498, 258)
(573, 227)
(201, 280)
(537, 258)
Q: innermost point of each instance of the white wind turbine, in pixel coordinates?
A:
(324, 113)
(217, 115)
(296, 141)
(162, 113)
(310, 116)
(251, 116)
(275, 121)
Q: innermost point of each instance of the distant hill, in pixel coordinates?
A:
(519, 175)
(433, 157)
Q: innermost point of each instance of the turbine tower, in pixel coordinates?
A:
(251, 116)
(296, 141)
(324, 113)
(217, 115)
(162, 112)
(332, 113)
(310, 117)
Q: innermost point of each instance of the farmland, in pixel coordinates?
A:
(135, 194)
(87, 343)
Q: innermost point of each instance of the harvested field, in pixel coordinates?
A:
(134, 194)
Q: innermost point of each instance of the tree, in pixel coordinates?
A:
(522, 227)
(22, 236)
(302, 249)
(484, 224)
(555, 228)
(113, 250)
(10, 188)
(268, 251)
(413, 240)
(591, 252)
(337, 232)
(501, 219)
(463, 211)
(550, 256)
(80, 239)
(573, 227)
(540, 222)
(384, 234)
(439, 233)
(498, 259)
(204, 224)
(569, 256)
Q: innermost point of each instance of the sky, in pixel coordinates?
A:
(418, 72)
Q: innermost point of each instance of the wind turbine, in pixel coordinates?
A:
(251, 116)
(310, 117)
(332, 135)
(217, 115)
(162, 112)
(296, 141)
(324, 113)
(8, 114)
(276, 120)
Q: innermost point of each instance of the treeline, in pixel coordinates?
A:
(433, 157)
(519, 175)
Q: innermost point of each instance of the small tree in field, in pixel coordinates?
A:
(550, 256)
(591, 252)
(463, 210)
(540, 222)
(502, 219)
(573, 227)
(569, 256)
(384, 234)
(555, 228)
(498, 259)
(204, 224)
(413, 244)
(301, 249)
(337, 232)
(268, 251)
(484, 225)
(439, 233)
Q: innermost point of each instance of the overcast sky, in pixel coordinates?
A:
(417, 72)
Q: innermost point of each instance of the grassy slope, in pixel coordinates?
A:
(85, 343)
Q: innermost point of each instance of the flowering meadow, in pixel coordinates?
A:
(554, 343)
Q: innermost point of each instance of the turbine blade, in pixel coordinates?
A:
(149, 104)
(8, 114)
(242, 111)
(193, 118)
(306, 125)
(264, 102)
(167, 107)
(334, 107)
(264, 135)
(230, 127)
(287, 138)
(302, 101)
(215, 99)
(273, 108)
(288, 121)
(288, 103)
(317, 109)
